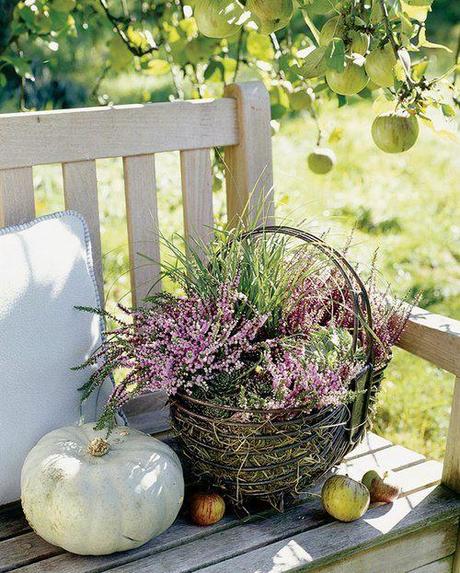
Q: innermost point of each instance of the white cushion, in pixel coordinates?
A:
(45, 271)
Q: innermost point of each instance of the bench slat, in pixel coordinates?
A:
(399, 554)
(249, 177)
(432, 512)
(12, 521)
(272, 527)
(197, 196)
(80, 194)
(17, 204)
(26, 548)
(443, 566)
(433, 337)
(143, 227)
(371, 443)
(37, 138)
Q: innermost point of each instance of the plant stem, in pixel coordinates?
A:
(456, 62)
(100, 79)
(313, 29)
(386, 20)
(238, 55)
(410, 82)
(116, 23)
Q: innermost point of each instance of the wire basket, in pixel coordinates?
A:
(274, 455)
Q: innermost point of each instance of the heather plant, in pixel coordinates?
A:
(256, 324)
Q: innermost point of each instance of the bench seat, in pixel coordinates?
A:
(417, 533)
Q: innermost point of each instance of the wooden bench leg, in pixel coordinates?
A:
(451, 471)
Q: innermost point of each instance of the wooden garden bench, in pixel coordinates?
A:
(417, 533)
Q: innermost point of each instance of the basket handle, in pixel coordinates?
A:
(345, 269)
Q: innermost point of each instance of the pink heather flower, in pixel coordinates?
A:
(189, 343)
(323, 299)
(181, 343)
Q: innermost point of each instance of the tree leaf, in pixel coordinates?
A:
(188, 25)
(314, 64)
(407, 29)
(424, 43)
(259, 46)
(120, 56)
(399, 71)
(448, 110)
(214, 71)
(335, 135)
(63, 5)
(335, 55)
(419, 13)
(419, 69)
(158, 67)
(441, 124)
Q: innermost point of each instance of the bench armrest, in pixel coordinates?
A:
(433, 337)
(437, 338)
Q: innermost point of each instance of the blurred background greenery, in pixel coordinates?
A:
(407, 206)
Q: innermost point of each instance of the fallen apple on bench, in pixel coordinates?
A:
(383, 488)
(347, 499)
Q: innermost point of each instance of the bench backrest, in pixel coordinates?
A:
(239, 122)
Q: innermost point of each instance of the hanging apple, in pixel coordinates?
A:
(395, 131)
(218, 18)
(351, 80)
(321, 160)
(379, 66)
(271, 15)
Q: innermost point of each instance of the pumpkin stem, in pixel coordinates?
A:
(98, 447)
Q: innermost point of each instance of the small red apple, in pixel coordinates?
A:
(383, 488)
(206, 508)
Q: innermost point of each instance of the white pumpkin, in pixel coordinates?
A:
(95, 496)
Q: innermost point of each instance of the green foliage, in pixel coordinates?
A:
(259, 267)
(203, 44)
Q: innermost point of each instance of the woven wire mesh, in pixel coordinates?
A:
(274, 455)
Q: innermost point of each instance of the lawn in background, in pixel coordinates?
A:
(406, 205)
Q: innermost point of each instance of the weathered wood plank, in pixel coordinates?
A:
(417, 477)
(17, 203)
(36, 138)
(433, 337)
(441, 566)
(197, 197)
(396, 556)
(272, 527)
(456, 562)
(249, 169)
(451, 474)
(335, 541)
(12, 521)
(388, 458)
(80, 194)
(371, 443)
(143, 227)
(26, 549)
